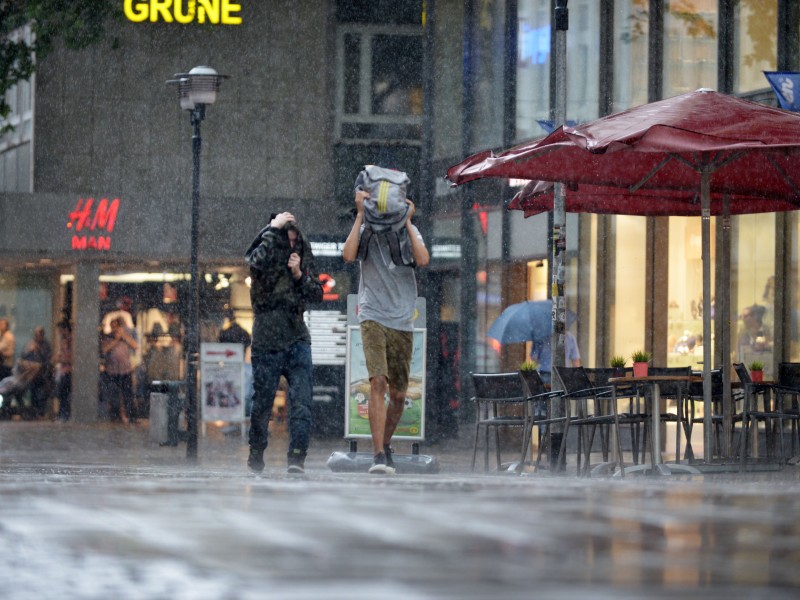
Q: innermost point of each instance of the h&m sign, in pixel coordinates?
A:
(92, 223)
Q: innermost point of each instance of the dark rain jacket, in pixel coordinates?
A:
(278, 299)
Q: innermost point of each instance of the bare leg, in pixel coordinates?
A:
(397, 402)
(376, 411)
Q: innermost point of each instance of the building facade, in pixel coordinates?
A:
(95, 178)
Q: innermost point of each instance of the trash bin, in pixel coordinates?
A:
(167, 399)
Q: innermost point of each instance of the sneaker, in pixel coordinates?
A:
(379, 465)
(387, 450)
(256, 460)
(296, 465)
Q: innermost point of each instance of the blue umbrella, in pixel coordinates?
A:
(523, 322)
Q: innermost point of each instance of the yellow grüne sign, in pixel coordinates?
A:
(216, 12)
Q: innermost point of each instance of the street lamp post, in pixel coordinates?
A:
(196, 89)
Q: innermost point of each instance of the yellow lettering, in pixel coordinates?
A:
(188, 16)
(136, 12)
(227, 8)
(162, 7)
(208, 8)
(215, 12)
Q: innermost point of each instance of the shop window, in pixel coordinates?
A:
(533, 68)
(753, 289)
(379, 82)
(632, 31)
(16, 133)
(583, 61)
(756, 43)
(690, 46)
(627, 293)
(685, 292)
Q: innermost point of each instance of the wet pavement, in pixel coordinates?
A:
(103, 512)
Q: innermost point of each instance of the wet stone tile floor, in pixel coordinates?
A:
(102, 511)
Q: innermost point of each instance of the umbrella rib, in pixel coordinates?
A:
(652, 172)
(783, 174)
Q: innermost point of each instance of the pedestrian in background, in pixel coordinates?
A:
(7, 347)
(284, 282)
(64, 375)
(117, 348)
(36, 363)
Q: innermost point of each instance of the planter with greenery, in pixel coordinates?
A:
(528, 370)
(640, 360)
(757, 371)
(618, 364)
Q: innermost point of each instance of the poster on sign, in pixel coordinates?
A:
(412, 423)
(222, 382)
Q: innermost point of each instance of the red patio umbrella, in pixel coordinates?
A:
(537, 197)
(697, 145)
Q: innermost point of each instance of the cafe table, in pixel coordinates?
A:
(656, 466)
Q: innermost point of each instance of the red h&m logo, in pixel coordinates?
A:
(91, 217)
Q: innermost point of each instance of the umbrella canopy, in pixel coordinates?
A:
(523, 322)
(742, 147)
(537, 197)
(701, 144)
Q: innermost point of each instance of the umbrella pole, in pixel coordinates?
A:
(705, 199)
(725, 316)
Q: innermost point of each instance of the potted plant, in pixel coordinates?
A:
(640, 359)
(526, 369)
(757, 371)
(618, 364)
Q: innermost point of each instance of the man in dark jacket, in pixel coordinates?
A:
(283, 282)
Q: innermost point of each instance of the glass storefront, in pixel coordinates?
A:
(690, 46)
(533, 68)
(755, 43)
(627, 295)
(685, 292)
(631, 39)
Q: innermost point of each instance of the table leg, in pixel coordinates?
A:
(656, 467)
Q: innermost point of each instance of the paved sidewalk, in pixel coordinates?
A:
(101, 511)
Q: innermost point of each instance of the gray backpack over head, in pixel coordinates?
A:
(385, 212)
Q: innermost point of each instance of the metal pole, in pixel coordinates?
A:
(469, 252)
(724, 314)
(193, 335)
(559, 237)
(705, 222)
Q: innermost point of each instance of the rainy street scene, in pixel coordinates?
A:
(399, 299)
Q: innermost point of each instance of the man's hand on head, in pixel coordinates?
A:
(361, 196)
(281, 219)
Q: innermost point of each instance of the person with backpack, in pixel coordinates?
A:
(388, 247)
(284, 282)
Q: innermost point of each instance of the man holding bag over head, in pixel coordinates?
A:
(388, 248)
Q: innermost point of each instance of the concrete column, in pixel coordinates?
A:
(86, 361)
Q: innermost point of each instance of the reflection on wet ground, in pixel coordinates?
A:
(102, 512)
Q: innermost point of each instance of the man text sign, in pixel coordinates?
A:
(215, 12)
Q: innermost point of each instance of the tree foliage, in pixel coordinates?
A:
(77, 24)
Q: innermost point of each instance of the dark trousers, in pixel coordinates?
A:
(120, 385)
(294, 363)
(64, 395)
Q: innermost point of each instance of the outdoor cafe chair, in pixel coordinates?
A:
(634, 417)
(696, 398)
(539, 398)
(789, 387)
(587, 407)
(500, 403)
(754, 413)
